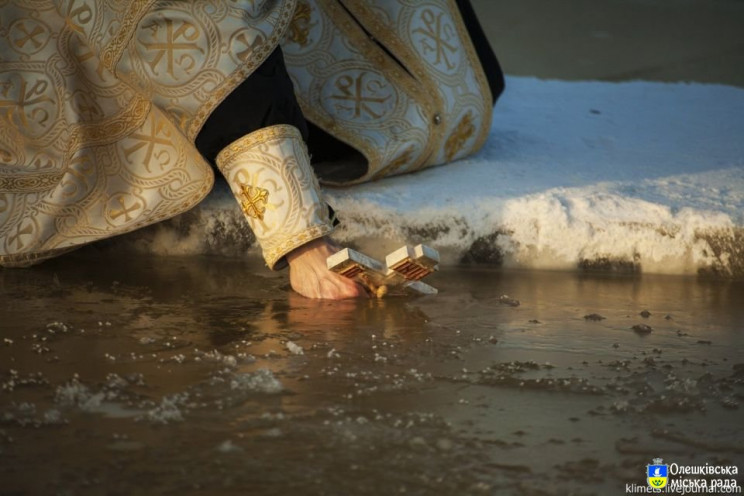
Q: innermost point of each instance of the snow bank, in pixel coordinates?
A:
(632, 176)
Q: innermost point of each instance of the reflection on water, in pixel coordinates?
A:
(202, 375)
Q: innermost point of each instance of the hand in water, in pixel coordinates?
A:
(309, 274)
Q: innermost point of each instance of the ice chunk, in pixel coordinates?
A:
(261, 381)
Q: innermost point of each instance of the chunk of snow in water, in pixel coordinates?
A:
(229, 447)
(53, 417)
(333, 354)
(74, 393)
(295, 349)
(261, 381)
(166, 412)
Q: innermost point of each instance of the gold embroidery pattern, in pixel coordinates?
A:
(351, 88)
(229, 154)
(483, 105)
(23, 235)
(429, 39)
(28, 102)
(92, 153)
(188, 56)
(28, 259)
(88, 158)
(437, 39)
(29, 183)
(286, 209)
(362, 96)
(29, 36)
(280, 247)
(277, 26)
(97, 185)
(460, 136)
(253, 200)
(129, 20)
(406, 158)
(299, 28)
(116, 127)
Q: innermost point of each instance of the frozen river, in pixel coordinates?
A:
(200, 375)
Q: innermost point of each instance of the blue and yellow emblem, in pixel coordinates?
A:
(657, 474)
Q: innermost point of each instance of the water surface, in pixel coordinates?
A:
(197, 375)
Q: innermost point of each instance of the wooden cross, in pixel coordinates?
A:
(403, 269)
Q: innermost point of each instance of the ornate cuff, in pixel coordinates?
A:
(270, 175)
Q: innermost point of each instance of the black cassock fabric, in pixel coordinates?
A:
(267, 98)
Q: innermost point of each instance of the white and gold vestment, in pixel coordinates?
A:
(100, 103)
(399, 80)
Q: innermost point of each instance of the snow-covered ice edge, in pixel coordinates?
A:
(636, 176)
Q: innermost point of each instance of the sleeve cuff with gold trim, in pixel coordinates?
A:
(270, 175)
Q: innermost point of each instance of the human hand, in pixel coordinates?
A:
(310, 277)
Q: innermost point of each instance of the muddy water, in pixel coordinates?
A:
(204, 376)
